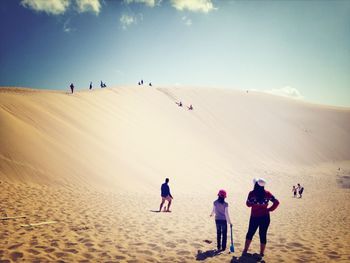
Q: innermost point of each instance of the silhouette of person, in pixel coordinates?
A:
(258, 200)
(300, 190)
(222, 218)
(294, 190)
(72, 87)
(190, 107)
(141, 81)
(150, 84)
(90, 85)
(166, 195)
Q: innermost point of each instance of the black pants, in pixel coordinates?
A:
(263, 223)
(221, 229)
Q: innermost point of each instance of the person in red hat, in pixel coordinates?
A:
(220, 209)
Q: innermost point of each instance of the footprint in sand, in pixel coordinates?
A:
(295, 244)
(183, 252)
(333, 255)
(16, 255)
(33, 251)
(15, 246)
(60, 254)
(120, 257)
(88, 256)
(170, 244)
(50, 250)
(72, 250)
(145, 252)
(89, 244)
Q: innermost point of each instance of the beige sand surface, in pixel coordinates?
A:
(94, 161)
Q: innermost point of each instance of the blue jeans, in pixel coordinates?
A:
(221, 229)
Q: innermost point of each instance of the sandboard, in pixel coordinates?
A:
(39, 224)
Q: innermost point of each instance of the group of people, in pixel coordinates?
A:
(298, 189)
(102, 85)
(180, 105)
(141, 83)
(258, 200)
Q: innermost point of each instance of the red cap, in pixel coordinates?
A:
(222, 193)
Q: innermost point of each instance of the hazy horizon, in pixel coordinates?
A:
(298, 49)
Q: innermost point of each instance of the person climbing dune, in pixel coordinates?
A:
(166, 195)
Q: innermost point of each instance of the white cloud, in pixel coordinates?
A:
(204, 6)
(150, 3)
(286, 92)
(128, 20)
(59, 7)
(55, 7)
(88, 6)
(187, 21)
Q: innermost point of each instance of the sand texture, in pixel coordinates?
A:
(82, 172)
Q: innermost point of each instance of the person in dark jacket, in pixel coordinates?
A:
(166, 195)
(72, 87)
(258, 200)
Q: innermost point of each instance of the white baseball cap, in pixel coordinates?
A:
(260, 181)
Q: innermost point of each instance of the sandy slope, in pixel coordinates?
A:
(94, 162)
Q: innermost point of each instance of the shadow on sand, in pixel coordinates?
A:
(154, 211)
(248, 258)
(207, 254)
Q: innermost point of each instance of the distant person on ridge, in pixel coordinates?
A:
(179, 103)
(258, 200)
(90, 85)
(190, 107)
(166, 195)
(72, 87)
(222, 218)
(141, 81)
(150, 84)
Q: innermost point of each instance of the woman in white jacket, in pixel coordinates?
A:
(222, 218)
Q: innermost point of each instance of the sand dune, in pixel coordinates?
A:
(93, 161)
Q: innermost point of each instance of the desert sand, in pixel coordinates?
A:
(91, 164)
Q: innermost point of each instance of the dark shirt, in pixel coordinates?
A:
(165, 190)
(259, 208)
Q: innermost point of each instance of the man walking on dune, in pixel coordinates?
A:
(166, 195)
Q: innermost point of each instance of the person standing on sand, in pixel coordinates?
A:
(166, 195)
(300, 190)
(294, 190)
(72, 87)
(90, 85)
(258, 200)
(220, 209)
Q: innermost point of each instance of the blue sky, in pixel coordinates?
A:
(295, 48)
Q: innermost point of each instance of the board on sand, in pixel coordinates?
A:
(11, 217)
(39, 224)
